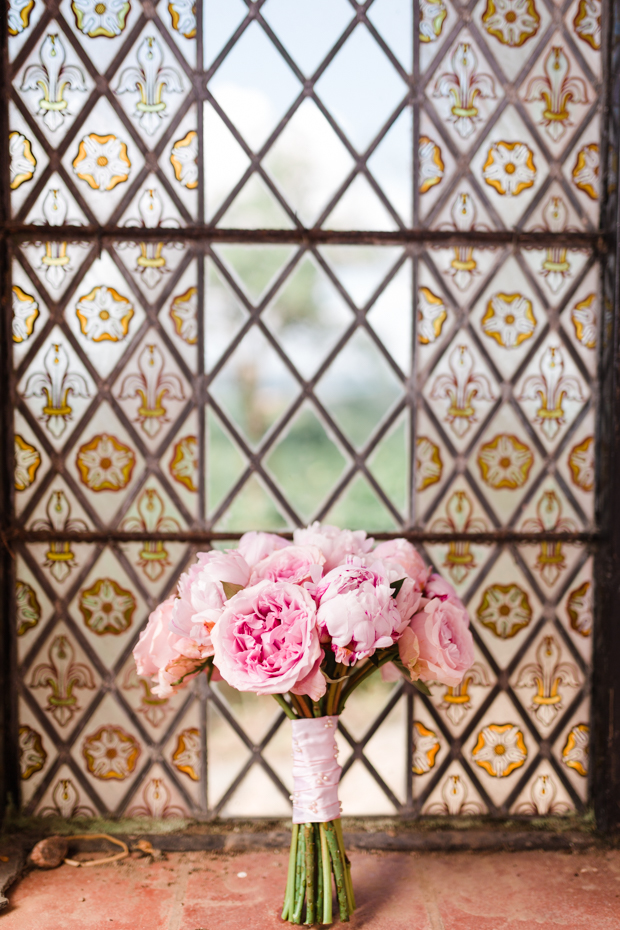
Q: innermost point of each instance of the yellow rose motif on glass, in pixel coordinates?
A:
(25, 313)
(505, 609)
(104, 314)
(107, 608)
(580, 609)
(102, 162)
(186, 757)
(585, 320)
(32, 755)
(432, 16)
(105, 18)
(587, 23)
(586, 170)
(27, 461)
(105, 463)
(183, 15)
(509, 319)
(428, 463)
(509, 168)
(110, 753)
(184, 315)
(432, 315)
(19, 16)
(183, 159)
(505, 462)
(425, 748)
(27, 607)
(22, 163)
(576, 751)
(184, 464)
(431, 166)
(511, 22)
(500, 749)
(581, 464)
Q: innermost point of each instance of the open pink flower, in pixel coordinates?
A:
(164, 656)
(436, 586)
(446, 646)
(335, 544)
(357, 610)
(266, 641)
(295, 564)
(406, 555)
(202, 596)
(255, 546)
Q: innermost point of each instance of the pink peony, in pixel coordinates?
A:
(202, 596)
(335, 544)
(409, 596)
(255, 546)
(436, 586)
(295, 564)
(446, 646)
(266, 641)
(407, 556)
(163, 655)
(357, 610)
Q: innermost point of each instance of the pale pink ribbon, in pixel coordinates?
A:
(316, 772)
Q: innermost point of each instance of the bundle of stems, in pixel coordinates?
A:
(317, 852)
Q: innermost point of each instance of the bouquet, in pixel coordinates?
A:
(308, 621)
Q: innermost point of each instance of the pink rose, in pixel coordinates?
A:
(255, 546)
(436, 586)
(446, 646)
(163, 655)
(357, 610)
(202, 596)
(407, 556)
(266, 641)
(335, 544)
(295, 564)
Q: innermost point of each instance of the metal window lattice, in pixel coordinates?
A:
(274, 263)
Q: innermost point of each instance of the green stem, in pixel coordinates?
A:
(319, 874)
(300, 880)
(347, 864)
(288, 710)
(289, 895)
(310, 868)
(365, 672)
(327, 876)
(338, 866)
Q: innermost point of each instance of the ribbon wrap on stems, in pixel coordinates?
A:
(316, 772)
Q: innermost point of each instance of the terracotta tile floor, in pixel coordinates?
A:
(395, 891)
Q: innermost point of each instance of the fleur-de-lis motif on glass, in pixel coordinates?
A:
(153, 557)
(542, 798)
(62, 675)
(55, 260)
(153, 708)
(151, 385)
(156, 797)
(53, 77)
(557, 89)
(149, 79)
(550, 562)
(66, 802)
(463, 267)
(459, 518)
(55, 385)
(555, 267)
(60, 559)
(547, 674)
(551, 387)
(464, 86)
(460, 387)
(151, 263)
(457, 700)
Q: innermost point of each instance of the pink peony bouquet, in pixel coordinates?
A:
(308, 621)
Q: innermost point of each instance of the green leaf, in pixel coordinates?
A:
(231, 589)
(422, 688)
(396, 586)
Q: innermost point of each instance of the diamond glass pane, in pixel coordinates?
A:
(278, 262)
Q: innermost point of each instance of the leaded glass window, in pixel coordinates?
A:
(282, 261)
